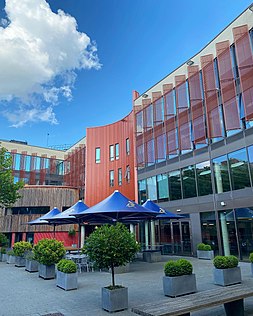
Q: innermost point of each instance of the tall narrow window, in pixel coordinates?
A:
(111, 152)
(127, 146)
(116, 151)
(119, 176)
(127, 175)
(111, 178)
(98, 155)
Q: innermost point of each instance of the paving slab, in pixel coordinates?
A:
(25, 294)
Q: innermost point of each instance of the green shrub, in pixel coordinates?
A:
(10, 253)
(66, 266)
(30, 255)
(71, 232)
(204, 247)
(3, 240)
(225, 262)
(251, 257)
(21, 247)
(49, 251)
(3, 250)
(179, 267)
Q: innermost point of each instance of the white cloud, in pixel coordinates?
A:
(39, 53)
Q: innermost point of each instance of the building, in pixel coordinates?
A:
(194, 145)
(187, 145)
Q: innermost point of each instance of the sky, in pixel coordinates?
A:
(68, 65)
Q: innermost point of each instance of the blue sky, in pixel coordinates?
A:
(138, 43)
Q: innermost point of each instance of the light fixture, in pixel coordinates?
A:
(145, 95)
(179, 210)
(251, 7)
(190, 62)
(223, 203)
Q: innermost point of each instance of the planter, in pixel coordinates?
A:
(31, 265)
(20, 262)
(226, 277)
(47, 272)
(251, 265)
(115, 300)
(11, 259)
(179, 285)
(4, 257)
(152, 255)
(66, 281)
(1, 257)
(121, 269)
(207, 255)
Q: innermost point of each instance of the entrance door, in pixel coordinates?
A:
(181, 238)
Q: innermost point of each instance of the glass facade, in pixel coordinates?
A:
(162, 187)
(221, 174)
(175, 185)
(204, 178)
(189, 182)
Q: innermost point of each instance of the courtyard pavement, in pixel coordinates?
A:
(25, 294)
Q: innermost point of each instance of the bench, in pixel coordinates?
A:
(231, 296)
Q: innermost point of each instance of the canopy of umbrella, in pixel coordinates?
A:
(161, 213)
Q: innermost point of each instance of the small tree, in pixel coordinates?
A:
(8, 189)
(111, 246)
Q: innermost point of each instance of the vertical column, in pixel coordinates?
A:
(152, 229)
(82, 235)
(224, 234)
(146, 235)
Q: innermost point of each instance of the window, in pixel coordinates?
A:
(116, 151)
(119, 176)
(151, 188)
(162, 187)
(238, 163)
(127, 175)
(221, 177)
(204, 178)
(142, 190)
(111, 176)
(175, 185)
(127, 146)
(98, 155)
(111, 149)
(188, 181)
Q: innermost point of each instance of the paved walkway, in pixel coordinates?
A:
(25, 294)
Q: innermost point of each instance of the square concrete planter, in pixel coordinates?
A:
(121, 269)
(152, 256)
(1, 257)
(207, 255)
(4, 257)
(11, 259)
(179, 285)
(226, 277)
(20, 262)
(31, 265)
(47, 272)
(66, 281)
(251, 266)
(114, 300)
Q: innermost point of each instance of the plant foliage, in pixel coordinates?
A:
(8, 189)
(21, 247)
(66, 266)
(3, 240)
(111, 246)
(225, 262)
(204, 247)
(179, 267)
(3, 250)
(10, 253)
(251, 257)
(71, 232)
(49, 251)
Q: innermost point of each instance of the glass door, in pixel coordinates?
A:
(186, 238)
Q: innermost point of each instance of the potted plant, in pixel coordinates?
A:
(111, 246)
(66, 275)
(178, 279)
(251, 262)
(205, 251)
(11, 259)
(3, 240)
(48, 252)
(4, 255)
(31, 265)
(226, 271)
(19, 249)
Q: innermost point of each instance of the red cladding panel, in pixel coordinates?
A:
(211, 97)
(227, 83)
(245, 65)
(196, 101)
(184, 136)
(61, 236)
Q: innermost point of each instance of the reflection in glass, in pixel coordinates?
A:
(175, 185)
(188, 182)
(250, 152)
(151, 187)
(208, 230)
(162, 187)
(238, 163)
(228, 233)
(142, 191)
(204, 178)
(221, 176)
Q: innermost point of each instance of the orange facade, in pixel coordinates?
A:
(103, 176)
